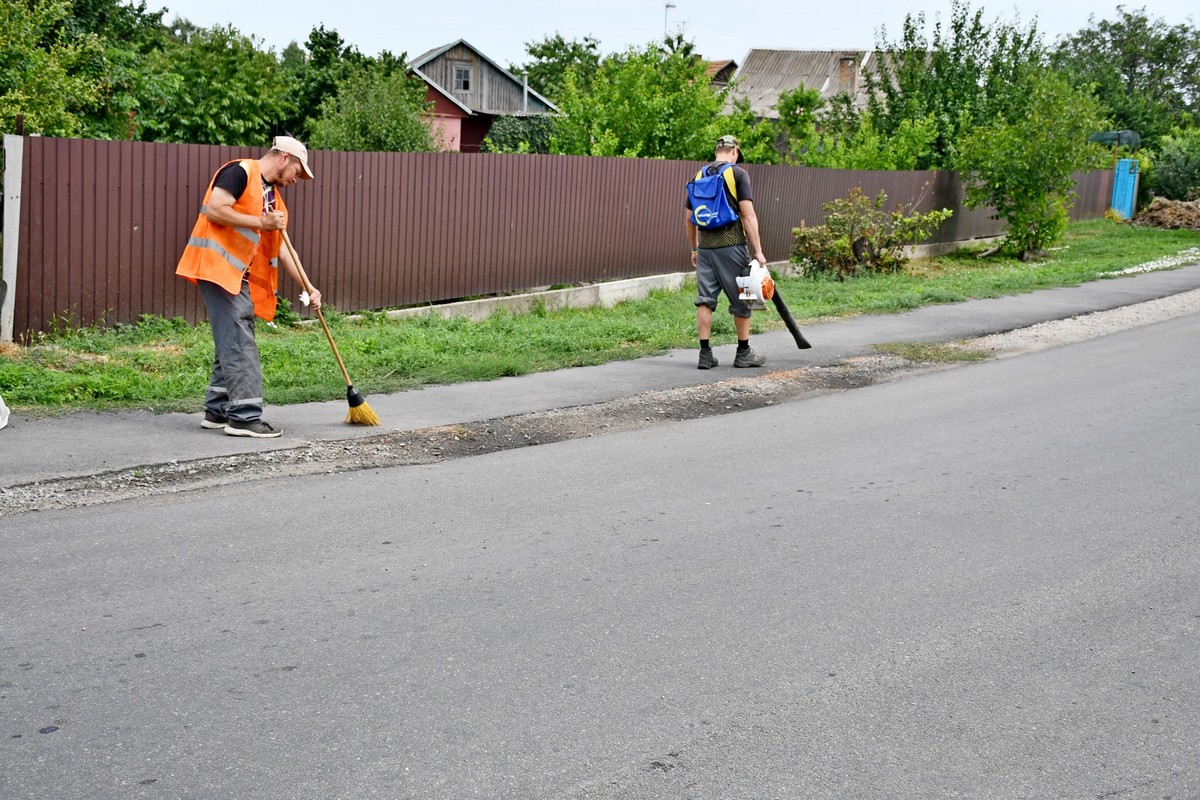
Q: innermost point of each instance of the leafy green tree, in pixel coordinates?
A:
(377, 107)
(43, 69)
(1145, 72)
(128, 32)
(652, 102)
(183, 30)
(1175, 166)
(863, 146)
(947, 80)
(317, 75)
(293, 59)
(1021, 163)
(553, 57)
(217, 88)
(796, 128)
(758, 136)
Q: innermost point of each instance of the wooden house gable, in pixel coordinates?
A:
(479, 83)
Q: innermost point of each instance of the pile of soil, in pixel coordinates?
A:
(1170, 214)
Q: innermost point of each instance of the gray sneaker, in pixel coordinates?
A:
(257, 429)
(213, 422)
(748, 358)
(707, 360)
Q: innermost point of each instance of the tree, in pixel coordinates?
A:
(863, 146)
(796, 127)
(128, 33)
(946, 81)
(1145, 72)
(317, 76)
(43, 69)
(218, 88)
(1021, 162)
(378, 107)
(653, 102)
(553, 57)
(758, 136)
(1175, 167)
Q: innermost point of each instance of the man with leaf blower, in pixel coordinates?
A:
(233, 255)
(722, 230)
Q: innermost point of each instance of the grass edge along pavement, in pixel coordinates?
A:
(163, 365)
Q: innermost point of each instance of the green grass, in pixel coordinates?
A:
(930, 352)
(164, 364)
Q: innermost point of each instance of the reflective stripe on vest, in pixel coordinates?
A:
(210, 244)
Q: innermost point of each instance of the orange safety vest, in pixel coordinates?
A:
(222, 255)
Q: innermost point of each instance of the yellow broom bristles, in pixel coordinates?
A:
(362, 415)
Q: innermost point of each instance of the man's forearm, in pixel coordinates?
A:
(225, 215)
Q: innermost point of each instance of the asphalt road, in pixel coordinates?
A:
(979, 583)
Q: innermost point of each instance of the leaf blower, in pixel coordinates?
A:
(757, 288)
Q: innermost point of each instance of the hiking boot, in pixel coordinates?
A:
(748, 358)
(707, 360)
(258, 429)
(213, 422)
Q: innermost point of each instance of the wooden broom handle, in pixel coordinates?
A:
(308, 287)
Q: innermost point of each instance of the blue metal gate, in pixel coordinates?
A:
(1125, 187)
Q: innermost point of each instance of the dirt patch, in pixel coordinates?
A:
(1170, 214)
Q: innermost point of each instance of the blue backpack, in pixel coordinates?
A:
(709, 195)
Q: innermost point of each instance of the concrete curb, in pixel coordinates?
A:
(597, 294)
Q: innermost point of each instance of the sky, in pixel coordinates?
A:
(720, 30)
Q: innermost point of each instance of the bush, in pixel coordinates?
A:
(1175, 173)
(859, 236)
(519, 135)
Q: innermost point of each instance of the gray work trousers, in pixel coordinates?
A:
(235, 387)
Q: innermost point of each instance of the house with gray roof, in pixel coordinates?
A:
(470, 90)
(765, 74)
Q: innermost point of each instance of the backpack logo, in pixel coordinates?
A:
(710, 198)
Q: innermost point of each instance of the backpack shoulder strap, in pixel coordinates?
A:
(730, 183)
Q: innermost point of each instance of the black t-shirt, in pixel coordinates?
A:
(233, 179)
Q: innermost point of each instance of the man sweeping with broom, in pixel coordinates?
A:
(233, 255)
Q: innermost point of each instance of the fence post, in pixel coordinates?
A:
(14, 160)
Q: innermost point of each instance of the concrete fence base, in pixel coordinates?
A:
(606, 295)
(610, 293)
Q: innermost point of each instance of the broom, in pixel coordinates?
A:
(360, 412)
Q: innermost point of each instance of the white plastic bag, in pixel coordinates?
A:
(3, 413)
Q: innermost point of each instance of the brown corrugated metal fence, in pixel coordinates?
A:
(102, 224)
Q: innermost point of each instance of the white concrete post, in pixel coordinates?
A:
(14, 160)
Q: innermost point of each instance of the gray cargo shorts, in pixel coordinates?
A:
(717, 271)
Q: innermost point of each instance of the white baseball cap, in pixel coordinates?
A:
(293, 147)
